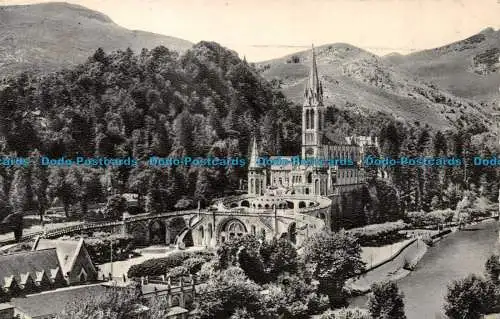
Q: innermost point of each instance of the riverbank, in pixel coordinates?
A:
(396, 267)
(403, 258)
(453, 257)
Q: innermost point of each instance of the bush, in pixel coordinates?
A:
(472, 295)
(379, 234)
(179, 271)
(194, 264)
(346, 313)
(161, 266)
(386, 302)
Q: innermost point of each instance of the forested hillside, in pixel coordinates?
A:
(205, 102)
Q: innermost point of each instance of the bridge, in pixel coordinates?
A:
(230, 217)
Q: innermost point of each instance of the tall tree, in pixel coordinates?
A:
(386, 302)
(333, 258)
(469, 298)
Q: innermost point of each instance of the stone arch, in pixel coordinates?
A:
(309, 152)
(188, 301)
(231, 227)
(175, 226)
(175, 301)
(245, 203)
(233, 205)
(266, 206)
(290, 205)
(201, 232)
(140, 232)
(157, 231)
(302, 204)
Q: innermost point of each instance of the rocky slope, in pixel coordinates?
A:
(46, 37)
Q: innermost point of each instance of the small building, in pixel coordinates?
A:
(75, 261)
(30, 271)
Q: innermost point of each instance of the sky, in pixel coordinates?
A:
(266, 29)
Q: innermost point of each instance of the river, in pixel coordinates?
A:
(452, 258)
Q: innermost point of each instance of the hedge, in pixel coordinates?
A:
(161, 266)
(379, 234)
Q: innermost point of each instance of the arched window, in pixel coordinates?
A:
(210, 231)
(302, 204)
(312, 119)
(201, 231)
(309, 178)
(253, 230)
(175, 301)
(292, 233)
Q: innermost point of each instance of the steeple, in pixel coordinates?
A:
(314, 89)
(254, 154)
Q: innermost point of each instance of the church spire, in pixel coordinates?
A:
(254, 154)
(314, 89)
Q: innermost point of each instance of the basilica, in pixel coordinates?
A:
(325, 177)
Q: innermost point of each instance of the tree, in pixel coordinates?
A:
(386, 302)
(279, 256)
(243, 252)
(115, 207)
(61, 187)
(15, 222)
(469, 298)
(21, 194)
(492, 269)
(333, 258)
(114, 304)
(40, 184)
(228, 291)
(293, 297)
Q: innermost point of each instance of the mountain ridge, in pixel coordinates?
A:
(357, 79)
(49, 36)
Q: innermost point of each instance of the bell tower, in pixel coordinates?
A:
(256, 173)
(313, 114)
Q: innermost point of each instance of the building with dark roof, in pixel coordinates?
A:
(77, 266)
(28, 272)
(48, 304)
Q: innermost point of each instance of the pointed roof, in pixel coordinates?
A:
(67, 250)
(15, 266)
(254, 154)
(314, 89)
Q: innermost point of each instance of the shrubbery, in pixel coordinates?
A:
(162, 266)
(379, 234)
(99, 247)
(434, 218)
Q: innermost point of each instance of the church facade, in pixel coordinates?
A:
(323, 168)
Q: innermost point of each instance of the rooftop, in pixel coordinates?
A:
(53, 302)
(24, 262)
